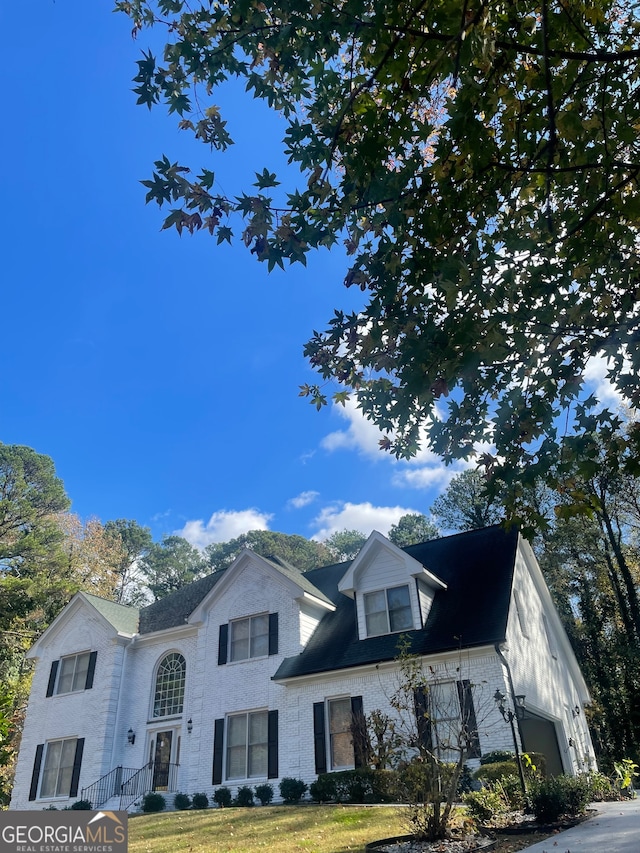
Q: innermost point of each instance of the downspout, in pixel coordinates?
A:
(500, 654)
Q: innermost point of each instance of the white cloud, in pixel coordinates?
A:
(425, 477)
(596, 375)
(361, 435)
(303, 499)
(364, 517)
(224, 525)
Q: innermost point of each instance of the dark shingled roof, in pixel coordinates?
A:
(175, 609)
(478, 569)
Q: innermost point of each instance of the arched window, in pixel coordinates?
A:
(169, 693)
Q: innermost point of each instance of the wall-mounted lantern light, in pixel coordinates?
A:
(189, 725)
(576, 711)
(131, 736)
(509, 715)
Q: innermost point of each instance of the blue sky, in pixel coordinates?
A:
(161, 373)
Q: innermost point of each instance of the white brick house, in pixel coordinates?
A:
(254, 673)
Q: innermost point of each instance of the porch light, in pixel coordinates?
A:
(189, 725)
(131, 736)
(576, 711)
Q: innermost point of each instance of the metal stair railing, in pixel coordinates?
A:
(106, 787)
(154, 776)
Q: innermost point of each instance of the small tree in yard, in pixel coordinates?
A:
(434, 733)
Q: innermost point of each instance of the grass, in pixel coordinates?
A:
(285, 829)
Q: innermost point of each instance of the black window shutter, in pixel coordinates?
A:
(272, 745)
(273, 633)
(469, 723)
(319, 738)
(222, 644)
(52, 677)
(423, 718)
(77, 763)
(218, 742)
(358, 732)
(91, 671)
(35, 776)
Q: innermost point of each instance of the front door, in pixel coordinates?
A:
(162, 761)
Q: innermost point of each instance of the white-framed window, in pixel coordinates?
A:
(446, 720)
(72, 673)
(247, 745)
(57, 771)
(249, 637)
(340, 719)
(388, 611)
(168, 699)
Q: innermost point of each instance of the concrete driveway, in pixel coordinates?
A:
(614, 829)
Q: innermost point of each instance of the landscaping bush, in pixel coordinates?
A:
(324, 789)
(498, 755)
(264, 793)
(292, 790)
(244, 797)
(466, 781)
(494, 771)
(201, 801)
(222, 796)
(81, 805)
(510, 787)
(153, 802)
(559, 795)
(182, 802)
(486, 805)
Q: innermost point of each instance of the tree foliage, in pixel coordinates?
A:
(171, 564)
(411, 529)
(480, 163)
(465, 504)
(135, 542)
(304, 554)
(345, 544)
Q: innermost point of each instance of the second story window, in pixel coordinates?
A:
(249, 637)
(168, 697)
(72, 674)
(388, 611)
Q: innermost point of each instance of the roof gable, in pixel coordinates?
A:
(376, 547)
(297, 583)
(477, 568)
(119, 618)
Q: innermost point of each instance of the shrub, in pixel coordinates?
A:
(81, 805)
(324, 789)
(601, 787)
(264, 793)
(488, 773)
(153, 802)
(498, 755)
(465, 782)
(510, 788)
(625, 773)
(292, 790)
(244, 797)
(201, 801)
(222, 796)
(182, 802)
(485, 805)
(559, 795)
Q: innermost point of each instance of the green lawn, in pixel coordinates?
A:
(285, 829)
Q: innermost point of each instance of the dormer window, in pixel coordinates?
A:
(388, 611)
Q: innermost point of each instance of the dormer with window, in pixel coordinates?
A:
(393, 592)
